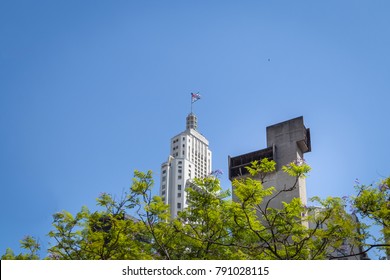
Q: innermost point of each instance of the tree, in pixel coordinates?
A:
(205, 226)
(293, 232)
(215, 227)
(373, 205)
(111, 233)
(30, 244)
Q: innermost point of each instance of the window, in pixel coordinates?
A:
(164, 171)
(179, 194)
(179, 170)
(163, 193)
(179, 187)
(180, 162)
(179, 177)
(179, 205)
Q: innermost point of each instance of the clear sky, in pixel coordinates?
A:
(91, 90)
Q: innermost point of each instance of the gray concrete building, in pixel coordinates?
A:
(287, 141)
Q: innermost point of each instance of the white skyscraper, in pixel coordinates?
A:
(189, 158)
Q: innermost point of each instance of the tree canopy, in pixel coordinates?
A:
(213, 226)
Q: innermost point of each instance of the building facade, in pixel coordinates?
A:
(287, 142)
(190, 157)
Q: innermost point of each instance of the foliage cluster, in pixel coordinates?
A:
(216, 227)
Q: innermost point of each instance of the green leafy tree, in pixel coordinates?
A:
(29, 244)
(372, 203)
(111, 233)
(205, 225)
(284, 233)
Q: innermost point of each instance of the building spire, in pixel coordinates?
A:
(191, 121)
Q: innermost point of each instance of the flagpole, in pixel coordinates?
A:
(194, 97)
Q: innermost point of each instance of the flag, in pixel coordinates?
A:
(195, 97)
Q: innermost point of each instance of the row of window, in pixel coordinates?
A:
(200, 170)
(177, 147)
(178, 204)
(198, 146)
(177, 140)
(163, 194)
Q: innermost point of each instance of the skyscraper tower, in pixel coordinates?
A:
(189, 158)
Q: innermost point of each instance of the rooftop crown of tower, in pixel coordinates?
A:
(191, 121)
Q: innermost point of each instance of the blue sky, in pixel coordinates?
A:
(91, 90)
